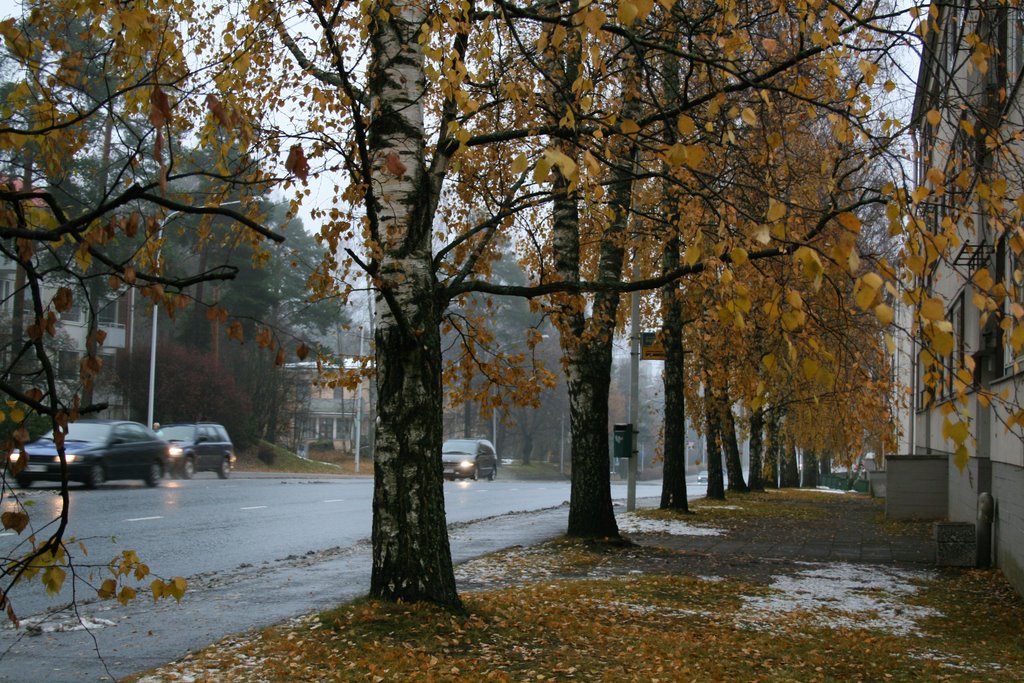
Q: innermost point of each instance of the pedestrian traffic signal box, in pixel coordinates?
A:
(622, 441)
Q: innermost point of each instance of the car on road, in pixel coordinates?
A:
(95, 451)
(199, 447)
(469, 458)
(702, 477)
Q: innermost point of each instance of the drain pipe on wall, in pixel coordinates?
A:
(983, 531)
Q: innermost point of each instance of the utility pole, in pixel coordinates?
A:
(359, 404)
(634, 385)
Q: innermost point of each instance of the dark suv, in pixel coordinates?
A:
(200, 447)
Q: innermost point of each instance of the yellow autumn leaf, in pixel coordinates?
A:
(685, 125)
(558, 159)
(955, 431)
(738, 256)
(865, 296)
(915, 264)
(643, 8)
(932, 309)
(1017, 338)
(519, 164)
(692, 255)
(983, 279)
(749, 117)
(126, 595)
(695, 155)
(629, 127)
(961, 457)
(934, 117)
(849, 221)
(810, 368)
(793, 321)
(107, 589)
(942, 342)
(627, 12)
(885, 314)
(177, 587)
(810, 262)
(776, 210)
(541, 170)
(53, 579)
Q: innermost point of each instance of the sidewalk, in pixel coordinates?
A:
(837, 528)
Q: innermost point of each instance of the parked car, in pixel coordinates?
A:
(97, 451)
(472, 458)
(199, 447)
(702, 477)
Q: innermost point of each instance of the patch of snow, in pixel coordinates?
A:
(522, 564)
(953, 661)
(712, 578)
(825, 489)
(646, 610)
(843, 595)
(42, 625)
(632, 523)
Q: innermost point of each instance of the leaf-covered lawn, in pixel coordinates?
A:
(572, 610)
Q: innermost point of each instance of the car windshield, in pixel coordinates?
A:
(84, 431)
(176, 433)
(460, 446)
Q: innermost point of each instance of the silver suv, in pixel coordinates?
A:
(472, 458)
(199, 447)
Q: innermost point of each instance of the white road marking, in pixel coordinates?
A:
(7, 533)
(142, 519)
(254, 507)
(335, 500)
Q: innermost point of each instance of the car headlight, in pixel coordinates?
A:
(70, 458)
(14, 456)
(175, 451)
(466, 463)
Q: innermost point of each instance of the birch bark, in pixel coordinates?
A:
(411, 551)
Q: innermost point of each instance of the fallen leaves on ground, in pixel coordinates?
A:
(574, 610)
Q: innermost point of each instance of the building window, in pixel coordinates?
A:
(1013, 278)
(67, 365)
(1014, 43)
(108, 315)
(75, 314)
(956, 359)
(6, 292)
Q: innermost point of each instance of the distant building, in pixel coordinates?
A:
(115, 314)
(316, 412)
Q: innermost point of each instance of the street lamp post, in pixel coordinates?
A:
(359, 406)
(156, 316)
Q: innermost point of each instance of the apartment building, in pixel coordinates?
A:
(968, 123)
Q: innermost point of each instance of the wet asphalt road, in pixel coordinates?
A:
(255, 551)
